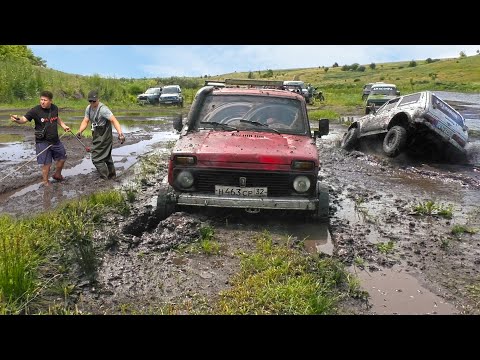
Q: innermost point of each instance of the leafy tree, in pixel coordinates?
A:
(20, 52)
(268, 73)
(462, 54)
(372, 66)
(361, 68)
(250, 75)
(335, 64)
(325, 69)
(412, 63)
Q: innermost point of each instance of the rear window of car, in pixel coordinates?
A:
(447, 110)
(410, 99)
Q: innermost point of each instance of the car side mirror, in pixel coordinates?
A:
(323, 128)
(177, 123)
(373, 109)
(398, 93)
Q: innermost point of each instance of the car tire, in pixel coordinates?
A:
(350, 139)
(394, 141)
(166, 204)
(321, 214)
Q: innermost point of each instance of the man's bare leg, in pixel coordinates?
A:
(45, 172)
(58, 169)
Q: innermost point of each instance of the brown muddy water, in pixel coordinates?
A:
(370, 200)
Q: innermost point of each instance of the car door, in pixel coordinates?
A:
(378, 122)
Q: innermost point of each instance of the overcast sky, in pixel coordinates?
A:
(139, 61)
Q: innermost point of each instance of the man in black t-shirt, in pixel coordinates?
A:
(47, 143)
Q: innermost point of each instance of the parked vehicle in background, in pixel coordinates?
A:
(171, 95)
(246, 145)
(366, 90)
(150, 96)
(419, 121)
(380, 93)
(299, 87)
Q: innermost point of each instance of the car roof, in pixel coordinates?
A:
(257, 92)
(384, 84)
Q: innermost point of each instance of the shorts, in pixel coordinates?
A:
(55, 152)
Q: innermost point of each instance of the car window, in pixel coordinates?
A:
(170, 90)
(409, 99)
(383, 90)
(253, 113)
(152, 91)
(388, 105)
(447, 110)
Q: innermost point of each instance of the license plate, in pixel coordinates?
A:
(167, 102)
(221, 190)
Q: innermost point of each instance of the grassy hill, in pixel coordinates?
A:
(20, 83)
(343, 89)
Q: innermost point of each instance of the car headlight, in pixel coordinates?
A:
(302, 165)
(184, 160)
(185, 179)
(301, 184)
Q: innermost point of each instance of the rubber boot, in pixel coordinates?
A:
(111, 169)
(102, 169)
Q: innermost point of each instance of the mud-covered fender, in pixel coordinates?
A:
(355, 124)
(401, 118)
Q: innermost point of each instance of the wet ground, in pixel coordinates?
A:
(409, 263)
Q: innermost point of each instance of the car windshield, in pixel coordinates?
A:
(258, 113)
(152, 91)
(294, 84)
(383, 90)
(172, 90)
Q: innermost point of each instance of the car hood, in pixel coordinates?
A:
(169, 95)
(146, 95)
(381, 97)
(247, 147)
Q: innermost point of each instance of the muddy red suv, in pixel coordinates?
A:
(246, 145)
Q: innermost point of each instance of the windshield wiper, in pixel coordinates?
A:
(216, 124)
(259, 124)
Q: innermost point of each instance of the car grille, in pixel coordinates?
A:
(170, 98)
(278, 184)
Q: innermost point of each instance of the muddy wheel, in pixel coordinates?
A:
(395, 140)
(350, 139)
(165, 204)
(322, 212)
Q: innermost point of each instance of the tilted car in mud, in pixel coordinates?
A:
(420, 121)
(247, 145)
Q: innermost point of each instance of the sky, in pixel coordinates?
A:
(150, 61)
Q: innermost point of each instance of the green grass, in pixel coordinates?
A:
(461, 229)
(20, 83)
(429, 207)
(277, 279)
(27, 245)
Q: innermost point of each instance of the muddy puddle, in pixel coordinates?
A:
(20, 173)
(395, 292)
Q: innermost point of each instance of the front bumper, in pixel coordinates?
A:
(278, 203)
